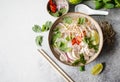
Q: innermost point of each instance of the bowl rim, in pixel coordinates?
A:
(67, 9)
(97, 27)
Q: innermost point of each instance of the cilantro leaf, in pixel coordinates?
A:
(78, 61)
(67, 20)
(56, 14)
(55, 36)
(68, 38)
(82, 59)
(62, 11)
(46, 26)
(36, 28)
(82, 68)
(89, 41)
(39, 40)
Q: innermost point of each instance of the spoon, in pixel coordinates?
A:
(85, 9)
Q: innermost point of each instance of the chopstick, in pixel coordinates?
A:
(55, 66)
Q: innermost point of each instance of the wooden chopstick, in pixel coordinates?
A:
(55, 66)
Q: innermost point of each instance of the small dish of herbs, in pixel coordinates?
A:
(57, 8)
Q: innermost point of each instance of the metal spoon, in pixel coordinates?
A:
(85, 9)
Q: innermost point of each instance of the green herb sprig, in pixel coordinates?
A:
(108, 4)
(89, 41)
(78, 61)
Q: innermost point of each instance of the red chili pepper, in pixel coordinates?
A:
(73, 41)
(52, 6)
(76, 40)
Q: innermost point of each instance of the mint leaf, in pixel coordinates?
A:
(36, 28)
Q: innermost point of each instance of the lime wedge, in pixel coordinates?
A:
(95, 35)
(97, 69)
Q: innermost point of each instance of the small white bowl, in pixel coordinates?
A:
(60, 4)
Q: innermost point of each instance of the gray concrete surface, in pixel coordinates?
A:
(19, 59)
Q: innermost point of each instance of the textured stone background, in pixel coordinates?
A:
(19, 59)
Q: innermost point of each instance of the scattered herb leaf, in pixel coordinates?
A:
(39, 40)
(36, 28)
(82, 68)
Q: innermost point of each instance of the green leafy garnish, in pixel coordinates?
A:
(55, 36)
(82, 68)
(78, 61)
(81, 20)
(63, 46)
(67, 20)
(89, 41)
(82, 59)
(56, 29)
(58, 13)
(109, 5)
(39, 40)
(46, 26)
(117, 2)
(62, 11)
(106, 1)
(99, 4)
(68, 38)
(36, 28)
